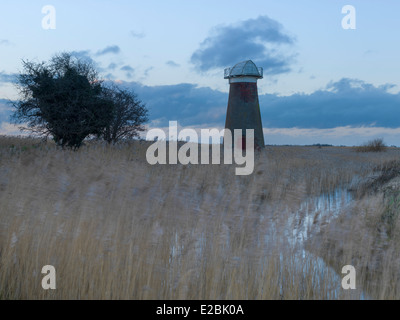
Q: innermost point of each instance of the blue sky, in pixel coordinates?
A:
(322, 84)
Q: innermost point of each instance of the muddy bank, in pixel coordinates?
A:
(366, 232)
(384, 178)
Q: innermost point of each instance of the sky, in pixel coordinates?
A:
(323, 83)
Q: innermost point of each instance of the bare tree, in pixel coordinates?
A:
(129, 115)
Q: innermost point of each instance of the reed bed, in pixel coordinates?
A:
(115, 227)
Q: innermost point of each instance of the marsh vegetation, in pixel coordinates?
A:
(115, 227)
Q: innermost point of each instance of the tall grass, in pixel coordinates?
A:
(376, 145)
(115, 227)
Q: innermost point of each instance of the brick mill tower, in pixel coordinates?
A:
(243, 105)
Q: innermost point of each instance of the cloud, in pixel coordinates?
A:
(7, 77)
(342, 103)
(127, 68)
(109, 76)
(369, 52)
(172, 64)
(5, 108)
(347, 102)
(258, 39)
(128, 71)
(147, 71)
(112, 66)
(138, 35)
(184, 102)
(348, 135)
(7, 128)
(5, 42)
(5, 113)
(347, 111)
(84, 55)
(109, 49)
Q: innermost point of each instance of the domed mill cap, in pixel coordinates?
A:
(244, 69)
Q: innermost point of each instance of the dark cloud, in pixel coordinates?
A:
(346, 102)
(128, 71)
(109, 49)
(343, 103)
(258, 39)
(5, 105)
(84, 55)
(5, 110)
(6, 126)
(7, 77)
(184, 102)
(127, 68)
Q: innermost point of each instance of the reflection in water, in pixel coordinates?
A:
(286, 238)
(313, 211)
(312, 214)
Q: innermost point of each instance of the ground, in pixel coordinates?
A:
(115, 227)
